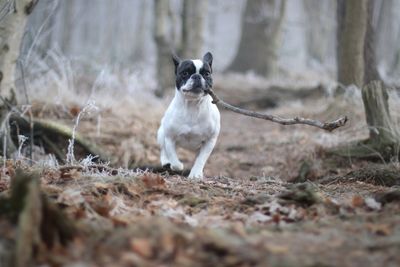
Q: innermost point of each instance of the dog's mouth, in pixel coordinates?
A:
(194, 90)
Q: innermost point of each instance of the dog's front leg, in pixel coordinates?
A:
(197, 170)
(173, 159)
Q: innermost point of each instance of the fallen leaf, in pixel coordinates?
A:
(74, 110)
(119, 221)
(70, 197)
(101, 188)
(73, 174)
(3, 185)
(168, 245)
(142, 247)
(379, 229)
(151, 180)
(357, 201)
(276, 218)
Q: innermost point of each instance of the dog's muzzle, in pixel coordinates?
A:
(196, 84)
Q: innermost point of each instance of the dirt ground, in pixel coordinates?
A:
(246, 212)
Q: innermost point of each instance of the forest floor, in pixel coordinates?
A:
(246, 212)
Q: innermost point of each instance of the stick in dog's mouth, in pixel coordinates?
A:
(327, 126)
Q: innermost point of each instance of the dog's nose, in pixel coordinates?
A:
(196, 77)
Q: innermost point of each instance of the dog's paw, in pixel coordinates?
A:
(166, 166)
(177, 166)
(195, 175)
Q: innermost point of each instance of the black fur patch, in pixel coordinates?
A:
(206, 71)
(185, 69)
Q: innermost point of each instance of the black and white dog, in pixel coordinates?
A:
(191, 121)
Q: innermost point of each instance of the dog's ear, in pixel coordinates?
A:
(176, 61)
(208, 58)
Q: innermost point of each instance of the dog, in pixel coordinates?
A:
(191, 120)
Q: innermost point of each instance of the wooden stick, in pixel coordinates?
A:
(328, 126)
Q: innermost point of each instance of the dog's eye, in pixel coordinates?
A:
(185, 73)
(207, 74)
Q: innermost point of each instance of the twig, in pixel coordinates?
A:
(328, 126)
(31, 125)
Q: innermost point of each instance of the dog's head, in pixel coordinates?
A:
(193, 76)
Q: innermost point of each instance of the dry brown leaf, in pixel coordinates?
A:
(357, 201)
(3, 185)
(151, 180)
(142, 247)
(72, 174)
(168, 244)
(379, 229)
(119, 221)
(102, 207)
(276, 218)
(101, 188)
(79, 213)
(74, 110)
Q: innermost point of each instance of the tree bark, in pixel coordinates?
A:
(259, 43)
(370, 63)
(165, 73)
(384, 135)
(381, 125)
(352, 24)
(193, 19)
(11, 32)
(382, 128)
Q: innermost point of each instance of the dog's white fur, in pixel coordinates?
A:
(192, 122)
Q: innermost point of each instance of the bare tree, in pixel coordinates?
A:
(351, 29)
(358, 66)
(319, 29)
(388, 37)
(11, 32)
(384, 136)
(193, 19)
(163, 43)
(261, 29)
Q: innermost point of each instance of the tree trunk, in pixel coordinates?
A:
(388, 37)
(319, 29)
(351, 33)
(340, 15)
(261, 29)
(370, 64)
(382, 128)
(11, 32)
(165, 70)
(193, 19)
(384, 136)
(380, 123)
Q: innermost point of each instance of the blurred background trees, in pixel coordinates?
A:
(266, 37)
(261, 35)
(124, 47)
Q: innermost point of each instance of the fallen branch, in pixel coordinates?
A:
(328, 126)
(55, 137)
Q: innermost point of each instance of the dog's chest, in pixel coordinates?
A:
(192, 136)
(191, 128)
